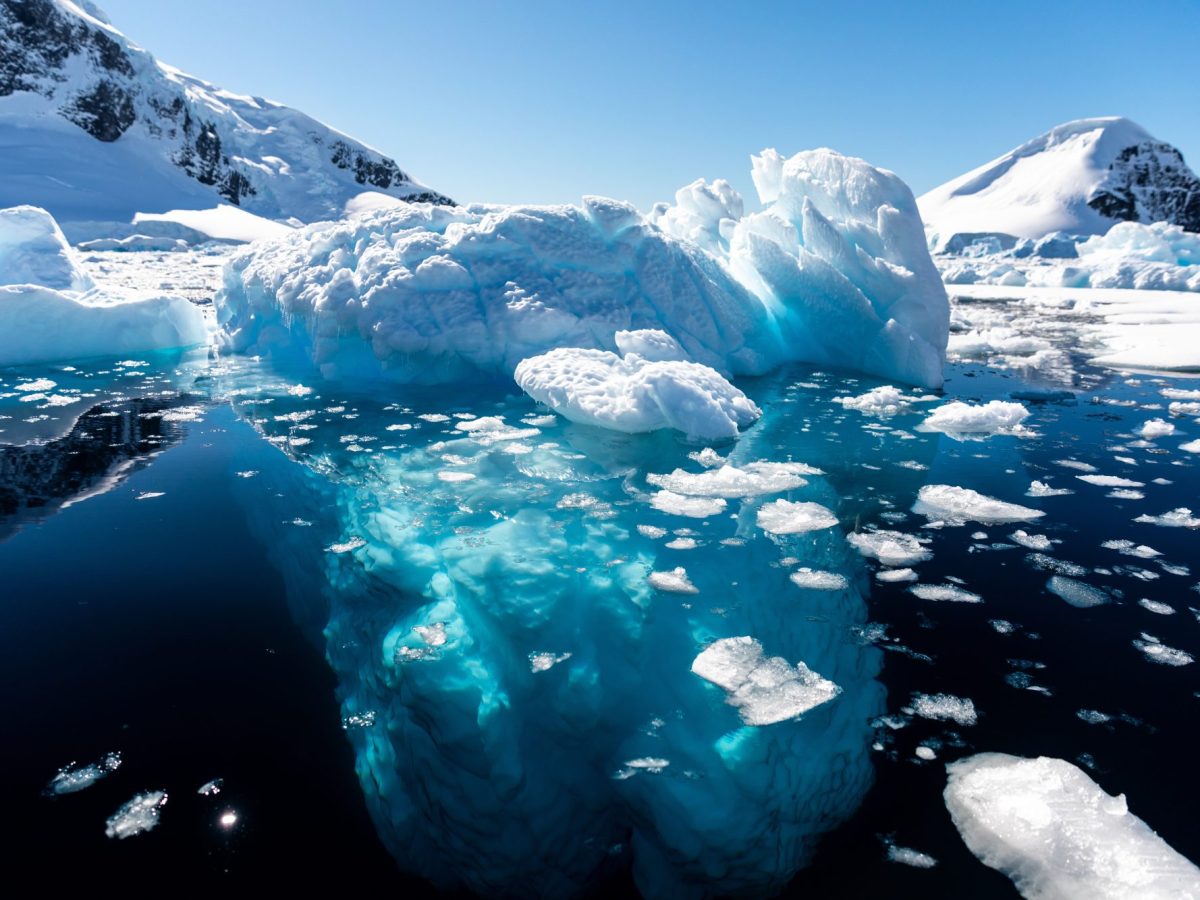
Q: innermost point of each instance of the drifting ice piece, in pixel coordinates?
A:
(765, 690)
(1051, 829)
(634, 395)
(959, 504)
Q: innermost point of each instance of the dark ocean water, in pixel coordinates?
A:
(146, 607)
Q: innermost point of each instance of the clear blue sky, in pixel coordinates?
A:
(546, 101)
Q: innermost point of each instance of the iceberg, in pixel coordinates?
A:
(1057, 834)
(834, 270)
(50, 311)
(959, 504)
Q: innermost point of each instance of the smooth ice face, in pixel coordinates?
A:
(1051, 829)
(634, 395)
(523, 642)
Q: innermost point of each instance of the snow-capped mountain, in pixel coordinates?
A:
(93, 127)
(1080, 177)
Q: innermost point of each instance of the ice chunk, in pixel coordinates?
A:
(1128, 548)
(1077, 593)
(72, 778)
(959, 504)
(765, 690)
(885, 400)
(1041, 489)
(1044, 823)
(211, 788)
(1110, 481)
(1156, 606)
(676, 581)
(634, 395)
(681, 505)
(945, 707)
(962, 420)
(1176, 518)
(907, 856)
(819, 581)
(137, 815)
(1191, 446)
(786, 517)
(1156, 651)
(892, 576)
(892, 548)
(1156, 428)
(751, 480)
(33, 250)
(947, 592)
(542, 661)
(1033, 541)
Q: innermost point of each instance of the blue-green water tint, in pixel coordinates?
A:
(145, 626)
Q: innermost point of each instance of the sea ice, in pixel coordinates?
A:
(1037, 542)
(1156, 428)
(947, 592)
(764, 689)
(1156, 606)
(1176, 518)
(885, 400)
(1156, 651)
(749, 480)
(818, 581)
(1041, 489)
(682, 505)
(959, 504)
(676, 581)
(1110, 481)
(909, 857)
(1044, 823)
(33, 250)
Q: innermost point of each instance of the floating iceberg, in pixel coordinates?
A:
(50, 311)
(962, 420)
(1051, 829)
(138, 815)
(835, 270)
(959, 504)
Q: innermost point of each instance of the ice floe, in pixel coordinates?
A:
(958, 504)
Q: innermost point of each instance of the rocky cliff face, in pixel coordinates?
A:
(1149, 182)
(62, 60)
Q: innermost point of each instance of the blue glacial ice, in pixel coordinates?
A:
(545, 679)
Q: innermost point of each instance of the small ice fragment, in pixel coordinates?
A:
(786, 517)
(947, 592)
(680, 505)
(1176, 518)
(1155, 428)
(1002, 626)
(818, 581)
(211, 788)
(765, 690)
(962, 420)
(1041, 489)
(346, 546)
(1130, 549)
(682, 543)
(676, 581)
(651, 531)
(541, 661)
(945, 707)
(1110, 481)
(1156, 651)
(944, 501)
(907, 856)
(892, 548)
(925, 752)
(149, 495)
(1156, 606)
(450, 476)
(72, 778)
(1032, 541)
(751, 480)
(885, 400)
(892, 576)
(137, 815)
(1076, 593)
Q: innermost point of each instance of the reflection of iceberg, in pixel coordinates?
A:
(536, 720)
(107, 444)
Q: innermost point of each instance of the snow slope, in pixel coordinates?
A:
(94, 128)
(1079, 177)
